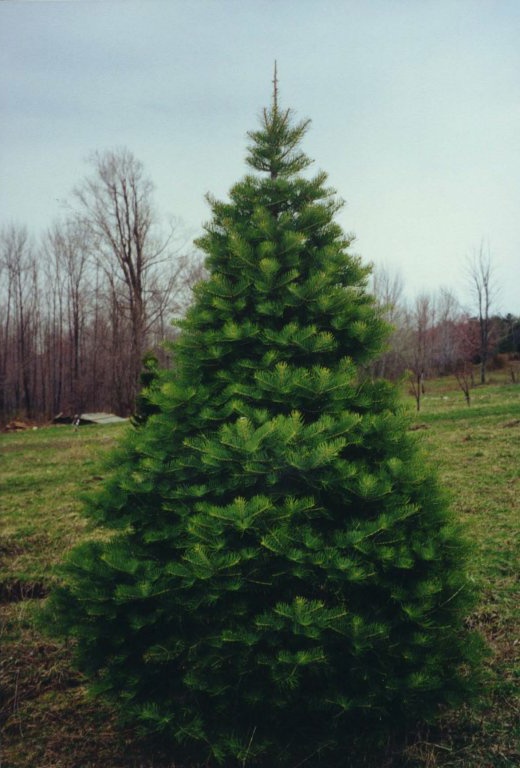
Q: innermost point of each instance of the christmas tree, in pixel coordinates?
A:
(284, 574)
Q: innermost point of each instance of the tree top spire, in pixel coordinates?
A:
(275, 87)
(275, 145)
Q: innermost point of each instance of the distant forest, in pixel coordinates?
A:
(80, 308)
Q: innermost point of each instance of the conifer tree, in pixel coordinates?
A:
(284, 574)
(148, 380)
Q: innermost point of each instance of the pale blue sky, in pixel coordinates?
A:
(415, 108)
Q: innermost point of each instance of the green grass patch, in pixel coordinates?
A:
(44, 474)
(47, 719)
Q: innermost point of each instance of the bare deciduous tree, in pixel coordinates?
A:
(20, 325)
(463, 374)
(388, 290)
(446, 336)
(421, 324)
(67, 251)
(481, 281)
(116, 206)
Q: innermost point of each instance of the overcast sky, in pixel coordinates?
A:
(415, 109)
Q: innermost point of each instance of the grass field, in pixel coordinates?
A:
(47, 719)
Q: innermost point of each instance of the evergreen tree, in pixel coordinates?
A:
(284, 575)
(148, 381)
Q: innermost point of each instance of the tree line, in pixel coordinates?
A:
(80, 309)
(436, 336)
